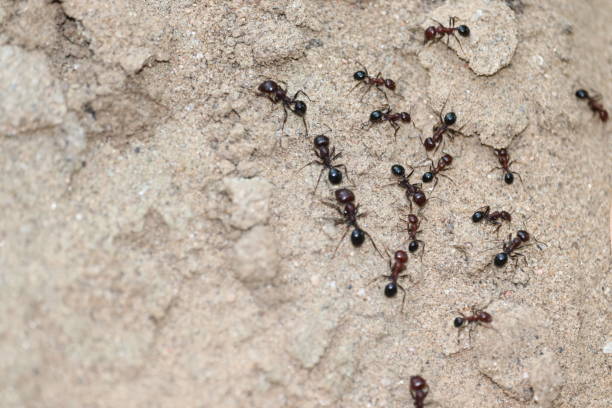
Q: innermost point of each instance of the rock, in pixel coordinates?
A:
(545, 378)
(493, 33)
(255, 258)
(31, 97)
(250, 201)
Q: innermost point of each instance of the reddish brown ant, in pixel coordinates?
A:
(326, 158)
(478, 316)
(413, 191)
(443, 164)
(418, 390)
(397, 266)
(491, 217)
(412, 227)
(385, 114)
(510, 247)
(276, 94)
(349, 214)
(594, 103)
(442, 128)
(377, 82)
(504, 160)
(435, 34)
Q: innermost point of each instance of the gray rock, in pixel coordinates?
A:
(31, 97)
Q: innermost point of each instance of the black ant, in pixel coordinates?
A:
(504, 160)
(397, 266)
(510, 246)
(413, 191)
(435, 34)
(478, 316)
(378, 81)
(594, 103)
(349, 215)
(385, 114)
(491, 217)
(326, 157)
(412, 226)
(443, 163)
(418, 390)
(276, 93)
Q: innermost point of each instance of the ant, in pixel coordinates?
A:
(491, 217)
(349, 215)
(276, 94)
(478, 316)
(504, 160)
(412, 190)
(594, 103)
(443, 163)
(418, 390)
(412, 226)
(444, 126)
(378, 116)
(378, 81)
(435, 34)
(397, 266)
(510, 246)
(326, 157)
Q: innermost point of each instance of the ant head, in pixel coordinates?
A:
(417, 383)
(429, 143)
(344, 196)
(334, 176)
(500, 259)
(391, 289)
(405, 117)
(447, 159)
(376, 116)
(268, 86)
(450, 118)
(357, 236)
(478, 216)
(413, 246)
(430, 33)
(398, 170)
(401, 256)
(428, 177)
(484, 317)
(419, 198)
(299, 107)
(506, 215)
(321, 140)
(389, 83)
(509, 178)
(458, 322)
(412, 219)
(463, 30)
(603, 115)
(360, 75)
(582, 94)
(523, 235)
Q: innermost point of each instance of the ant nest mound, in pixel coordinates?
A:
(493, 33)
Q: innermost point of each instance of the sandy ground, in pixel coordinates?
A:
(159, 249)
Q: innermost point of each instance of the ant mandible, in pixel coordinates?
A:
(397, 266)
(504, 160)
(276, 94)
(348, 216)
(435, 34)
(418, 390)
(326, 158)
(412, 226)
(385, 114)
(443, 164)
(378, 81)
(491, 217)
(510, 247)
(413, 191)
(594, 103)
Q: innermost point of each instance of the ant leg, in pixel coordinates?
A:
(334, 206)
(396, 127)
(519, 176)
(458, 42)
(445, 176)
(403, 297)
(318, 180)
(373, 243)
(368, 88)
(308, 164)
(353, 88)
(342, 166)
(379, 277)
(305, 125)
(340, 242)
(284, 118)
(383, 92)
(301, 92)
